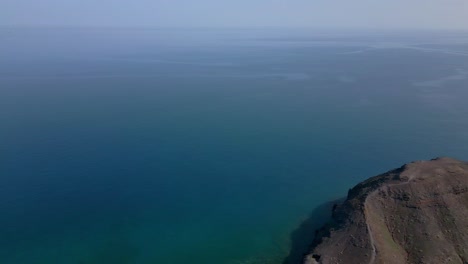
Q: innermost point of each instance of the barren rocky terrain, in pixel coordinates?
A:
(414, 214)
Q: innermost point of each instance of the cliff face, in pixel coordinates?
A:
(415, 214)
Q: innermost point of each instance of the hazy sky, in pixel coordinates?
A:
(239, 13)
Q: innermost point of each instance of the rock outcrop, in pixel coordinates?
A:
(415, 214)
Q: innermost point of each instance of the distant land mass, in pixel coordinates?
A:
(414, 214)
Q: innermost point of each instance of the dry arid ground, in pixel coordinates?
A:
(415, 214)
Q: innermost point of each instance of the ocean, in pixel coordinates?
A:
(171, 146)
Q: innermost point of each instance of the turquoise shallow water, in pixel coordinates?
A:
(157, 146)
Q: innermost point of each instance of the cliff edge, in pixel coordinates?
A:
(414, 214)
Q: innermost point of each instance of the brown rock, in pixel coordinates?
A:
(415, 214)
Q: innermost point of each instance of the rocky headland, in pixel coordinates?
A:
(414, 214)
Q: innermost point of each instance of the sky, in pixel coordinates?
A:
(406, 14)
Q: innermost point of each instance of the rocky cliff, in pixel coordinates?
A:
(415, 214)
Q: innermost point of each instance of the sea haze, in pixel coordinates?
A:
(208, 146)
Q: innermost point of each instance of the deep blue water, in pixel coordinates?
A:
(208, 146)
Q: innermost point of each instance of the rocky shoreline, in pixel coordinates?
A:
(417, 213)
